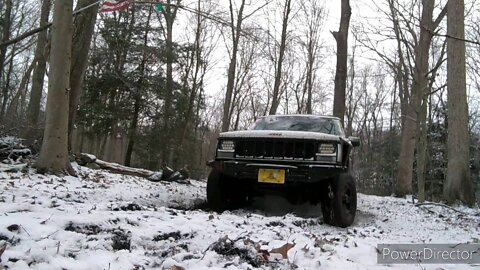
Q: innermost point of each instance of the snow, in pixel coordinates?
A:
(90, 157)
(10, 140)
(279, 134)
(100, 220)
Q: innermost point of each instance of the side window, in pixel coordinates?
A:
(339, 128)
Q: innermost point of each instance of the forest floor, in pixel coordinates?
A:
(103, 221)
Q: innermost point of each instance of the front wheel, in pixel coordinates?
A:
(340, 201)
(223, 192)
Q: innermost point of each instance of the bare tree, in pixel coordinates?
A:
(40, 60)
(341, 37)
(15, 109)
(281, 54)
(54, 152)
(6, 30)
(412, 74)
(458, 184)
(351, 100)
(235, 29)
(313, 15)
(245, 63)
(403, 181)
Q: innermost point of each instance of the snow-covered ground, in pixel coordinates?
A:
(105, 221)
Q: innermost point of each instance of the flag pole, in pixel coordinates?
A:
(85, 7)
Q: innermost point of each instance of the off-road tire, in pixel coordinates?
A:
(223, 192)
(339, 201)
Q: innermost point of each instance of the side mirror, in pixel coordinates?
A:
(355, 141)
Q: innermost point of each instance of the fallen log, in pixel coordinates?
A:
(117, 168)
(165, 175)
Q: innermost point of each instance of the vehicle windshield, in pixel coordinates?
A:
(300, 123)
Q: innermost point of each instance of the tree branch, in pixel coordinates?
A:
(442, 205)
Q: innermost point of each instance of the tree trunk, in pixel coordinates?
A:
(341, 37)
(13, 109)
(309, 77)
(196, 60)
(6, 25)
(7, 81)
(390, 125)
(54, 152)
(352, 105)
(458, 185)
(422, 151)
(133, 130)
(169, 14)
(33, 109)
(403, 183)
(281, 54)
(83, 27)
(233, 65)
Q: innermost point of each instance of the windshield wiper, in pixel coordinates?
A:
(294, 125)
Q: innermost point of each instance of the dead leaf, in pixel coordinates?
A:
(176, 267)
(264, 254)
(283, 250)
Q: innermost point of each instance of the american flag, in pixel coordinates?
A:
(112, 5)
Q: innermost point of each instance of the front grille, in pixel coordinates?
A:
(289, 149)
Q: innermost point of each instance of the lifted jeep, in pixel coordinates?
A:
(303, 157)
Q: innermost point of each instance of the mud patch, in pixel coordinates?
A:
(275, 224)
(366, 218)
(227, 248)
(272, 205)
(121, 240)
(197, 204)
(173, 236)
(88, 229)
(305, 223)
(128, 207)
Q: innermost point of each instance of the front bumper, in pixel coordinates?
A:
(295, 172)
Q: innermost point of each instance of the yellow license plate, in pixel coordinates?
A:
(273, 176)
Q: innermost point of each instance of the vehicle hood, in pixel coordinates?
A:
(279, 134)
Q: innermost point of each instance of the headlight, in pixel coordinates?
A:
(227, 145)
(326, 148)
